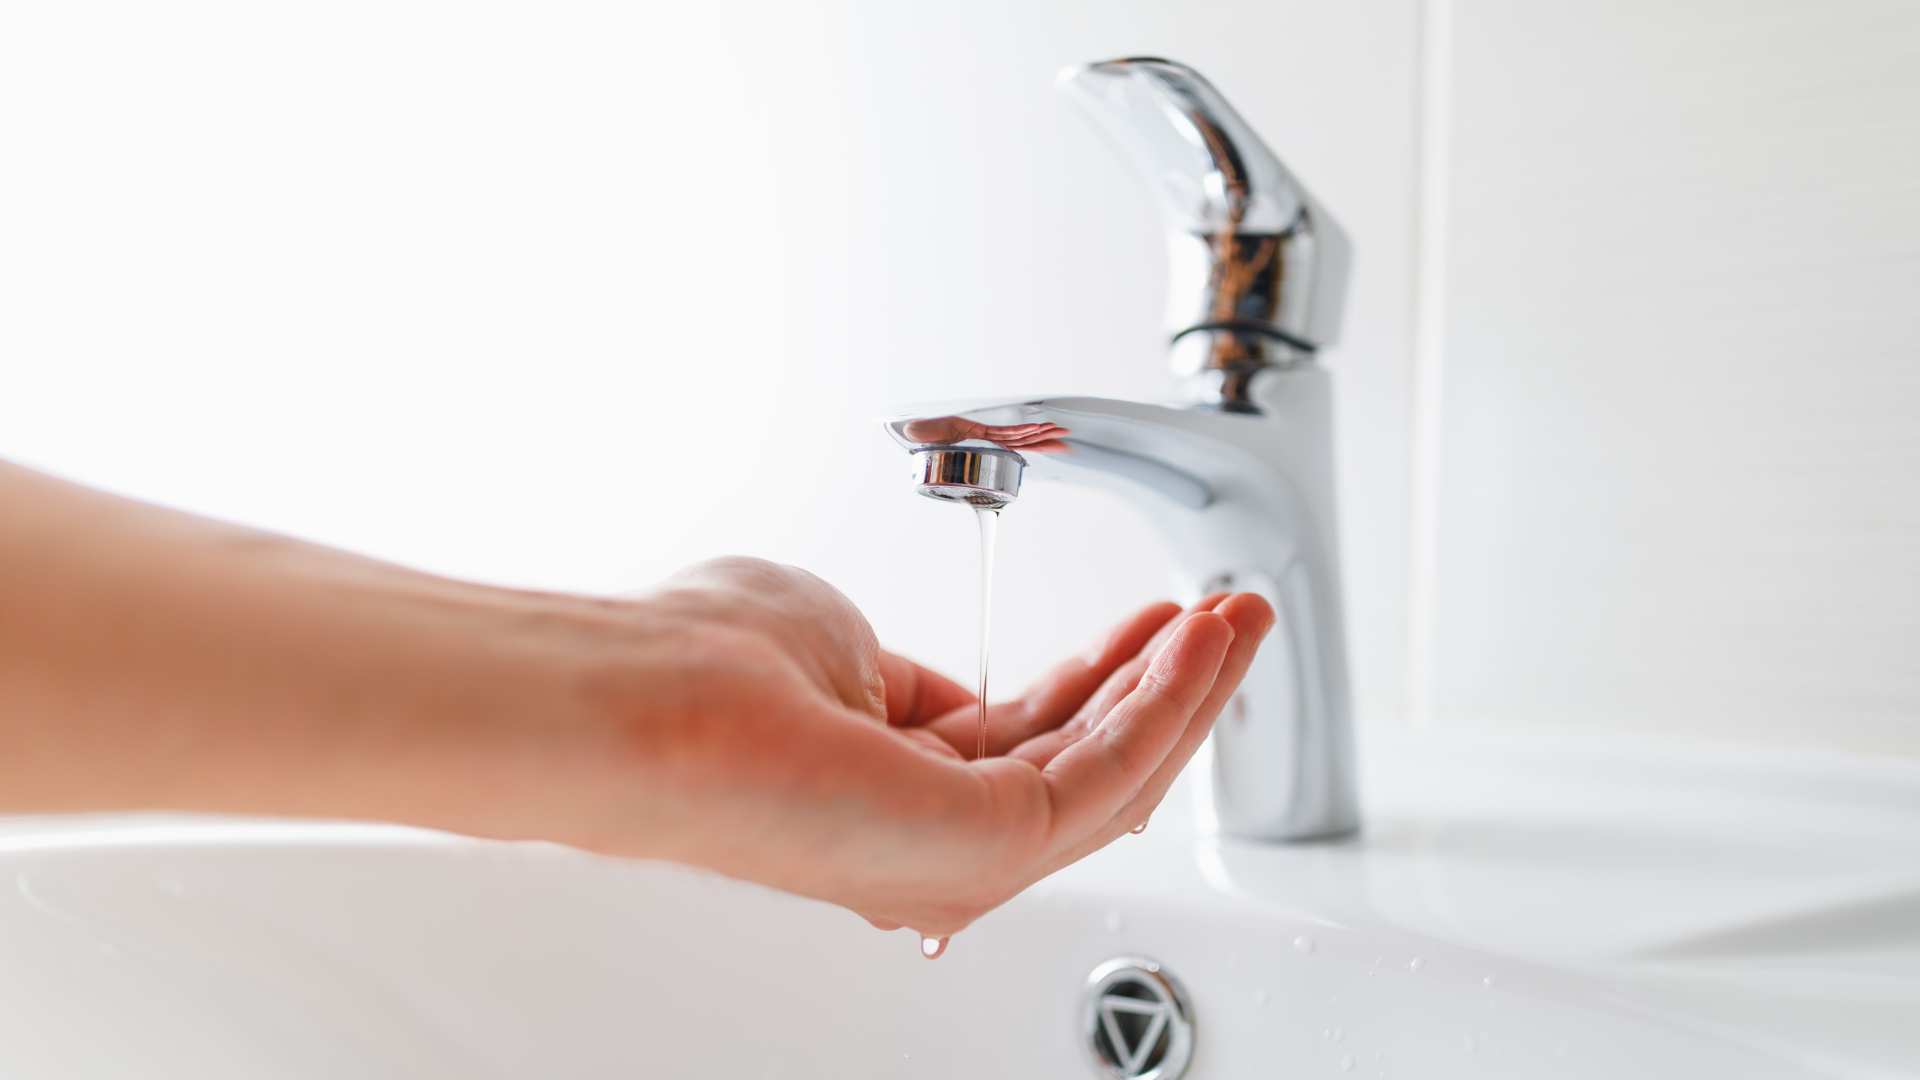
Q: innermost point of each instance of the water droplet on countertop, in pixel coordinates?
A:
(933, 947)
(1303, 944)
(1416, 964)
(1115, 922)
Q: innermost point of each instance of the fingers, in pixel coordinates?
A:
(1093, 779)
(1252, 618)
(915, 693)
(1042, 747)
(1056, 697)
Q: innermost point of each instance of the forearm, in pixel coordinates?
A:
(152, 659)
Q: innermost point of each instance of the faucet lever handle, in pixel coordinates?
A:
(1272, 263)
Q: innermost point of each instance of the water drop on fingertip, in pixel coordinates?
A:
(933, 947)
(1138, 829)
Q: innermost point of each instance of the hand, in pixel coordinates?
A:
(786, 748)
(742, 718)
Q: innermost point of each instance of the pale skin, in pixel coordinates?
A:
(741, 717)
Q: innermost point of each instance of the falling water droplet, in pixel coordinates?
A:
(1416, 964)
(1303, 944)
(1115, 923)
(1346, 1063)
(933, 947)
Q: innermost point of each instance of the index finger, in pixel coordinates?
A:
(1094, 778)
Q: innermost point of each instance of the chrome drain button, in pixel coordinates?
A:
(1136, 1021)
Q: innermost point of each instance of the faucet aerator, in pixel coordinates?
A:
(985, 479)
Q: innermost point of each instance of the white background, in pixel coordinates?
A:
(568, 295)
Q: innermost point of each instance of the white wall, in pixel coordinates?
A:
(1679, 482)
(569, 295)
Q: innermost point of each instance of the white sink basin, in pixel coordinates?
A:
(1561, 910)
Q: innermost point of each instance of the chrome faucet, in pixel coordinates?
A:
(1240, 473)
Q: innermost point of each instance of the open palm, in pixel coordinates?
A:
(837, 770)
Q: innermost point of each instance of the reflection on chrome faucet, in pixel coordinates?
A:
(1039, 438)
(1240, 477)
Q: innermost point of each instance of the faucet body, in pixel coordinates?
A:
(1240, 477)
(1246, 499)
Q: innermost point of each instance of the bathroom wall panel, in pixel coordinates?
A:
(1679, 476)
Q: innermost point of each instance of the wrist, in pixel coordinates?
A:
(575, 728)
(502, 706)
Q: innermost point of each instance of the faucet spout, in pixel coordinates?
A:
(964, 452)
(1246, 499)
